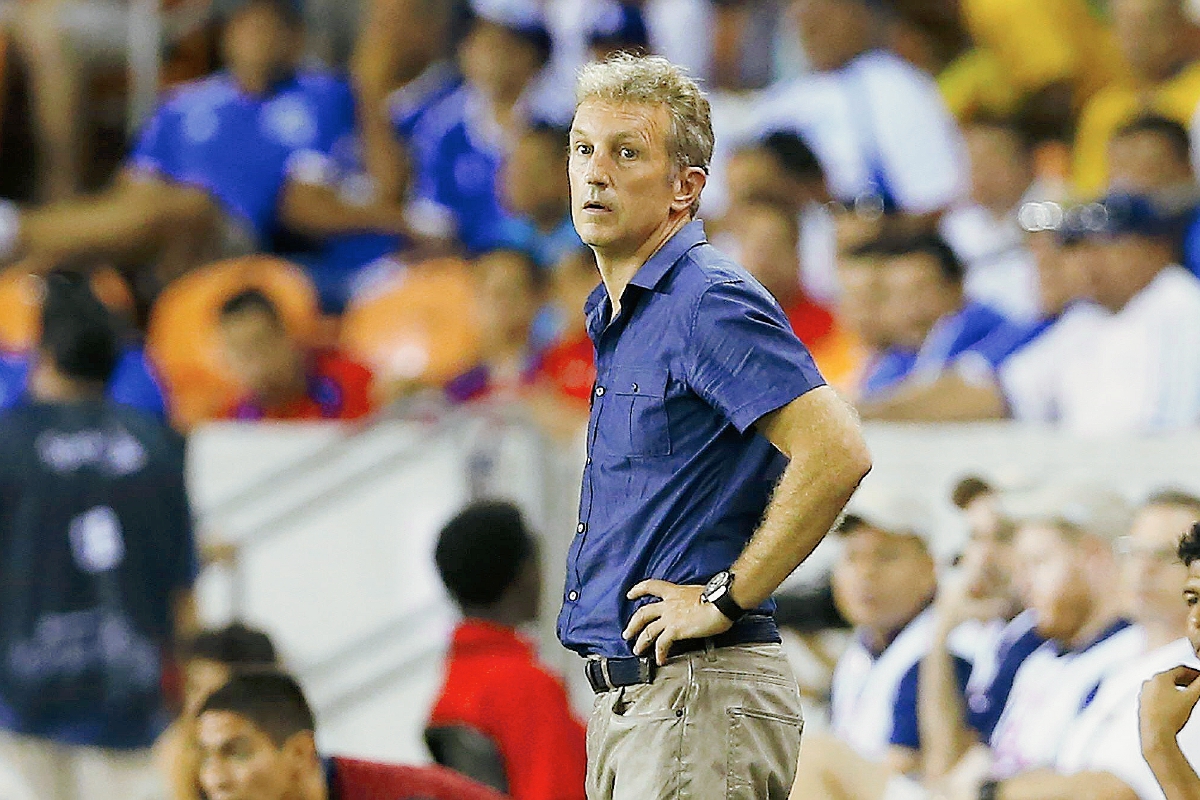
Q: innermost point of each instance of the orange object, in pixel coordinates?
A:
(183, 340)
(21, 303)
(418, 328)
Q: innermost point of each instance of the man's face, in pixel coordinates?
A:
(1150, 566)
(258, 45)
(535, 179)
(506, 296)
(1001, 170)
(260, 354)
(1123, 266)
(1148, 32)
(755, 173)
(882, 580)
(498, 61)
(767, 248)
(1053, 580)
(861, 299)
(915, 296)
(1062, 270)
(1191, 599)
(238, 761)
(1146, 163)
(987, 560)
(623, 181)
(832, 31)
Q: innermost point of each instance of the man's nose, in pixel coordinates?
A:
(597, 173)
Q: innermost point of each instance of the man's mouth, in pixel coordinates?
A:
(595, 205)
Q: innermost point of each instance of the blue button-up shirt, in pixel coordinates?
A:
(676, 479)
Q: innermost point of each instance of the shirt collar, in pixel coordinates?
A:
(659, 264)
(478, 634)
(1109, 632)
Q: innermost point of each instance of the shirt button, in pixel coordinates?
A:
(589, 461)
(599, 391)
(580, 528)
(573, 596)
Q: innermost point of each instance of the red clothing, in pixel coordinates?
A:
(495, 685)
(810, 321)
(366, 780)
(570, 367)
(338, 388)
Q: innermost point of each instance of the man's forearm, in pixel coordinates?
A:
(940, 714)
(820, 433)
(1047, 785)
(1172, 770)
(949, 398)
(315, 210)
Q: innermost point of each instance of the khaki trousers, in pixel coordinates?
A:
(718, 724)
(38, 769)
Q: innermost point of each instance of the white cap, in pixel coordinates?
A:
(891, 511)
(1095, 508)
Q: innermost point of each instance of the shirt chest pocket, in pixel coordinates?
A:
(638, 414)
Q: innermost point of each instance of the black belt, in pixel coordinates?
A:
(606, 674)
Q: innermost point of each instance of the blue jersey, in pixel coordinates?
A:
(465, 159)
(133, 383)
(241, 148)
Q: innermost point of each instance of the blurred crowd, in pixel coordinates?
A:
(969, 209)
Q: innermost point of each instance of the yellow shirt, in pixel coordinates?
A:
(1119, 105)
(1024, 45)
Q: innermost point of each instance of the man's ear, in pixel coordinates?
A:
(300, 751)
(688, 185)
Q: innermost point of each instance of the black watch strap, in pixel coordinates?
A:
(729, 607)
(721, 596)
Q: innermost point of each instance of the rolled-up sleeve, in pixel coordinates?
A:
(743, 358)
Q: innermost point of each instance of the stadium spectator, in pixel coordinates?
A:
(1168, 742)
(474, 129)
(257, 741)
(1039, 61)
(782, 169)
(134, 382)
(877, 124)
(282, 379)
(930, 321)
(535, 193)
(570, 362)
(209, 659)
(96, 582)
(1157, 39)
(1101, 368)
(859, 306)
(501, 717)
(1151, 156)
(983, 595)
(767, 236)
(883, 583)
(223, 166)
(509, 287)
(618, 27)
(985, 232)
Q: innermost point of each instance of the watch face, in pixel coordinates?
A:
(716, 583)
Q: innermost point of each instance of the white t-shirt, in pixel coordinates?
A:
(878, 120)
(1105, 736)
(1001, 271)
(1050, 691)
(868, 691)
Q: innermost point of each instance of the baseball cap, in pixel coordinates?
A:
(1119, 214)
(891, 511)
(1092, 507)
(619, 26)
(523, 17)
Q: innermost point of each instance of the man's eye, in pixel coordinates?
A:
(628, 152)
(583, 149)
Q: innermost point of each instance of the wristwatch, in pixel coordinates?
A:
(717, 592)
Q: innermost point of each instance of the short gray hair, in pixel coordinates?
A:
(653, 80)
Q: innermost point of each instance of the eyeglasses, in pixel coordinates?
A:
(1127, 547)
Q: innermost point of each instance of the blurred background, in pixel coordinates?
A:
(337, 236)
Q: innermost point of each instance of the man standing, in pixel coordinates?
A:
(96, 566)
(702, 396)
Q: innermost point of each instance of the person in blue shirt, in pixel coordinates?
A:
(691, 513)
(535, 192)
(99, 563)
(472, 131)
(930, 319)
(223, 166)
